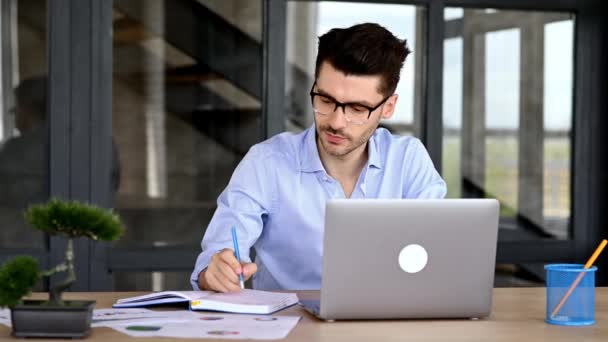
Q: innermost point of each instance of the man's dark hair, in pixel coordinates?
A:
(364, 49)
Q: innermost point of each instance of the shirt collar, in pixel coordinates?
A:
(373, 152)
(311, 162)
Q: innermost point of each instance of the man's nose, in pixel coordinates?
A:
(337, 119)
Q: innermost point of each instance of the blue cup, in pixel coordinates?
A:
(579, 308)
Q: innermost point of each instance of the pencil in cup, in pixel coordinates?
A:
(558, 274)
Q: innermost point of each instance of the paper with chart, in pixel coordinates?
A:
(108, 317)
(187, 324)
(208, 325)
(111, 317)
(5, 317)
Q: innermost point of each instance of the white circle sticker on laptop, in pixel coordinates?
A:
(413, 258)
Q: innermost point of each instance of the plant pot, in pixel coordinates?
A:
(37, 318)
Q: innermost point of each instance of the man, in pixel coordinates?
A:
(23, 157)
(276, 196)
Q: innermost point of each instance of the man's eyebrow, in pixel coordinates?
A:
(323, 92)
(362, 102)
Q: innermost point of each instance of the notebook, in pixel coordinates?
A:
(245, 301)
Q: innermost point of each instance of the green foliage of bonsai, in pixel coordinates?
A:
(17, 277)
(74, 219)
(70, 219)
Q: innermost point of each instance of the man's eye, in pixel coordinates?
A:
(355, 109)
(326, 100)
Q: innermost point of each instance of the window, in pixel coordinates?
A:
(507, 99)
(186, 108)
(24, 171)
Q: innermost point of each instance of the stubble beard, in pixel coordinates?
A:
(351, 145)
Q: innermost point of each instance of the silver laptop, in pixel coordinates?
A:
(388, 259)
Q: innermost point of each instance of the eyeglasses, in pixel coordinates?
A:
(355, 113)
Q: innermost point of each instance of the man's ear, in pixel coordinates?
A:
(389, 106)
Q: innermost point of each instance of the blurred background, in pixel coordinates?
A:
(148, 106)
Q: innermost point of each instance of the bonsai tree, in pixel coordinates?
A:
(70, 219)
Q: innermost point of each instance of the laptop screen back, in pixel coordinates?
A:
(408, 258)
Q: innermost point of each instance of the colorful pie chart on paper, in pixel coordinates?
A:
(222, 332)
(143, 328)
(211, 318)
(265, 319)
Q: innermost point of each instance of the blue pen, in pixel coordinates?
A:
(238, 255)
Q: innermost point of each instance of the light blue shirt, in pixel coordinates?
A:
(276, 200)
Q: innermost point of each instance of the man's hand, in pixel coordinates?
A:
(223, 271)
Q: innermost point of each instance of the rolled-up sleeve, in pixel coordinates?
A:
(243, 204)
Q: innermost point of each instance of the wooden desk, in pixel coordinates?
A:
(517, 315)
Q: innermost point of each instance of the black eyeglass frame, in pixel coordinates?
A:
(343, 105)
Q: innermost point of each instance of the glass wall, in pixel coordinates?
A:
(306, 21)
(187, 95)
(507, 99)
(186, 108)
(24, 171)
